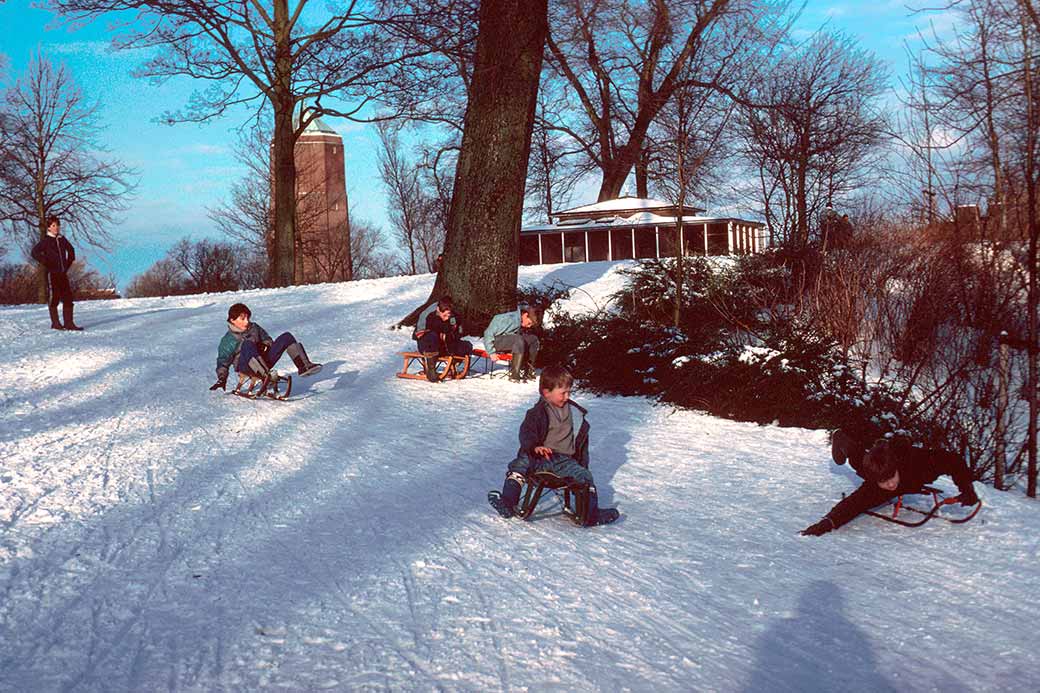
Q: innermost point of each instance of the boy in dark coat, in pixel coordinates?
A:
(890, 468)
(437, 333)
(253, 352)
(553, 436)
(56, 254)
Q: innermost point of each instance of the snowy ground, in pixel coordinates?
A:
(157, 536)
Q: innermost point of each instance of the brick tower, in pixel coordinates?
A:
(322, 225)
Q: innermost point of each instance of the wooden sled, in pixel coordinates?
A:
(254, 387)
(537, 483)
(448, 367)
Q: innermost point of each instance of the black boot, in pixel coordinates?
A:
(304, 366)
(505, 502)
(516, 366)
(430, 366)
(55, 325)
(595, 515)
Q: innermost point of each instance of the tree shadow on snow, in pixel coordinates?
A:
(818, 649)
(119, 316)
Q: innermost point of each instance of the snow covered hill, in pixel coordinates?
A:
(158, 536)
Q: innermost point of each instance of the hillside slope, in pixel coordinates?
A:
(160, 536)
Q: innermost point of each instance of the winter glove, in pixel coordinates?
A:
(221, 384)
(822, 527)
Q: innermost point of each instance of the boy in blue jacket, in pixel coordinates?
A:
(554, 436)
(512, 332)
(253, 352)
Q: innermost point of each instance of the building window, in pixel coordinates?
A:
(718, 239)
(646, 243)
(529, 250)
(621, 244)
(574, 246)
(552, 248)
(599, 245)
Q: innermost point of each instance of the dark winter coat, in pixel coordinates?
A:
(917, 467)
(231, 344)
(55, 253)
(536, 426)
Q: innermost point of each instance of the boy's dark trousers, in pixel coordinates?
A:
(270, 357)
(523, 347)
(60, 290)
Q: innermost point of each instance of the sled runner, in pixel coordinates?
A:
(937, 503)
(254, 387)
(574, 495)
(454, 367)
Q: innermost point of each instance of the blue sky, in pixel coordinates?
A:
(186, 168)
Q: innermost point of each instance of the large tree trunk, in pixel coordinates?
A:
(283, 162)
(481, 247)
(1033, 291)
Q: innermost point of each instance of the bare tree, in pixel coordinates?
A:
(54, 162)
(371, 259)
(551, 173)
(264, 54)
(164, 278)
(690, 130)
(621, 62)
(483, 229)
(811, 125)
(210, 266)
(412, 210)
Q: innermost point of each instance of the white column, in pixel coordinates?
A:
(586, 246)
(539, 237)
(704, 230)
(657, 241)
(610, 244)
(729, 236)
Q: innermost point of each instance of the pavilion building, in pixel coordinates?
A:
(636, 228)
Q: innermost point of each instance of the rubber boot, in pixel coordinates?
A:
(304, 366)
(595, 515)
(430, 366)
(516, 366)
(505, 502)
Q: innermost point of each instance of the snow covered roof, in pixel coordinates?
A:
(640, 219)
(621, 205)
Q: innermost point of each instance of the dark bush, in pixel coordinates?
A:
(734, 353)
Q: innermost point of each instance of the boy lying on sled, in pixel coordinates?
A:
(891, 468)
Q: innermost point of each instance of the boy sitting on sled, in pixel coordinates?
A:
(253, 352)
(891, 468)
(437, 333)
(555, 437)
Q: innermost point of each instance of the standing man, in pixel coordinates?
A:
(56, 254)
